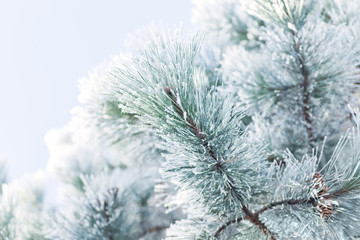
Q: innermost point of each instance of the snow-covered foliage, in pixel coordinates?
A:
(247, 129)
(21, 215)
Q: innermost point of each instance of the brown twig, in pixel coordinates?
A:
(222, 228)
(153, 230)
(265, 208)
(112, 193)
(338, 193)
(305, 89)
(254, 218)
(289, 202)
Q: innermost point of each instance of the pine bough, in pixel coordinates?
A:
(249, 131)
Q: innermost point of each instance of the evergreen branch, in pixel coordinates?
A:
(305, 88)
(288, 202)
(112, 194)
(107, 218)
(340, 192)
(256, 214)
(326, 210)
(153, 230)
(193, 127)
(222, 228)
(253, 218)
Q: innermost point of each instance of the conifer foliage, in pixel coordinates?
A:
(246, 129)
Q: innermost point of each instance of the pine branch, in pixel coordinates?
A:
(305, 88)
(256, 214)
(341, 192)
(288, 202)
(223, 227)
(253, 218)
(193, 127)
(153, 230)
(326, 210)
(112, 193)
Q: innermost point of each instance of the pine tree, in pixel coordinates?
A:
(246, 129)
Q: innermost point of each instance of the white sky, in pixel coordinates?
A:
(45, 47)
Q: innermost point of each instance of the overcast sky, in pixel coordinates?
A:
(45, 47)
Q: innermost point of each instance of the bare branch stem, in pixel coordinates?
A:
(305, 89)
(256, 215)
(153, 230)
